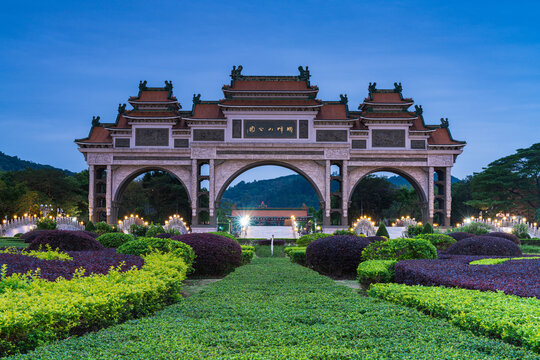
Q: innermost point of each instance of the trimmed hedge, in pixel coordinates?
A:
(459, 235)
(336, 255)
(216, 255)
(307, 239)
(268, 242)
(498, 261)
(400, 249)
(381, 231)
(31, 235)
(375, 238)
(513, 238)
(485, 245)
(297, 255)
(153, 230)
(247, 254)
(509, 317)
(375, 271)
(144, 246)
(44, 311)
(440, 241)
(224, 234)
(65, 241)
(114, 240)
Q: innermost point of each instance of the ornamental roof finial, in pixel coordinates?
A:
(142, 85)
(372, 87)
(168, 85)
(121, 108)
(418, 109)
(304, 74)
(444, 123)
(236, 72)
(95, 121)
(343, 99)
(196, 99)
(398, 88)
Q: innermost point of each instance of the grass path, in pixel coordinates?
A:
(273, 309)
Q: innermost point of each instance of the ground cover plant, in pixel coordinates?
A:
(273, 309)
(40, 311)
(440, 241)
(400, 249)
(375, 271)
(12, 242)
(114, 240)
(511, 318)
(142, 246)
(530, 249)
(518, 277)
(66, 241)
(460, 235)
(485, 245)
(93, 262)
(497, 261)
(266, 251)
(44, 254)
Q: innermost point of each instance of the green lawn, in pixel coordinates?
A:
(273, 309)
(7, 242)
(530, 249)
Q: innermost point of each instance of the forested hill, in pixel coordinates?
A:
(13, 163)
(285, 191)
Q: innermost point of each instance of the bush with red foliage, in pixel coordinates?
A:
(90, 233)
(165, 235)
(337, 256)
(277, 242)
(94, 262)
(513, 238)
(461, 235)
(215, 255)
(485, 245)
(65, 241)
(31, 235)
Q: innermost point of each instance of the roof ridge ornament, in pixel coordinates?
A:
(343, 99)
(95, 121)
(372, 87)
(121, 109)
(444, 123)
(236, 73)
(398, 88)
(142, 85)
(418, 109)
(304, 74)
(196, 99)
(168, 85)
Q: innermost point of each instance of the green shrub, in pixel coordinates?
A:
(18, 235)
(247, 247)
(376, 271)
(291, 248)
(428, 229)
(400, 249)
(521, 231)
(224, 234)
(512, 318)
(103, 228)
(90, 227)
(497, 261)
(247, 256)
(344, 232)
(45, 224)
(305, 240)
(440, 241)
(153, 230)
(382, 231)
(114, 240)
(85, 303)
(476, 228)
(142, 246)
(298, 255)
(138, 230)
(46, 253)
(173, 231)
(414, 230)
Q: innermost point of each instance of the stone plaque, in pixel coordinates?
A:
(208, 135)
(303, 129)
(237, 129)
(359, 144)
(418, 144)
(121, 143)
(270, 129)
(388, 138)
(181, 143)
(151, 137)
(332, 135)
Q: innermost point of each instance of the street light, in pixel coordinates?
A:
(244, 221)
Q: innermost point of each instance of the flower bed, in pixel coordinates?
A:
(518, 277)
(511, 318)
(94, 262)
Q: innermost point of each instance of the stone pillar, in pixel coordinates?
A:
(211, 194)
(345, 193)
(194, 192)
(108, 195)
(431, 194)
(91, 189)
(327, 207)
(448, 195)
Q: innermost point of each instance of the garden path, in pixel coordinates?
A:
(273, 309)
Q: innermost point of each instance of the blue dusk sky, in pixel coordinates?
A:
(476, 63)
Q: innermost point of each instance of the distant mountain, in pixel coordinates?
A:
(284, 191)
(13, 163)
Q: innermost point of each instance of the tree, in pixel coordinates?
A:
(382, 231)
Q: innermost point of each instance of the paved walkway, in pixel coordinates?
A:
(272, 309)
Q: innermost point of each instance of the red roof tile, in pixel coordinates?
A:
(387, 115)
(386, 98)
(418, 124)
(142, 113)
(267, 102)
(278, 85)
(332, 111)
(153, 95)
(99, 135)
(207, 111)
(441, 136)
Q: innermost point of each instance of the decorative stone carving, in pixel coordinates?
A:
(270, 129)
(152, 137)
(341, 154)
(332, 135)
(203, 153)
(359, 144)
(99, 159)
(418, 144)
(388, 138)
(208, 135)
(303, 129)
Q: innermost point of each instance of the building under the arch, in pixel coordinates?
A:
(269, 120)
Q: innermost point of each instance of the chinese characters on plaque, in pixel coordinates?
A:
(270, 129)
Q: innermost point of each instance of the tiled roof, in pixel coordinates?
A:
(441, 136)
(267, 102)
(98, 135)
(272, 85)
(153, 95)
(142, 113)
(388, 115)
(332, 111)
(207, 111)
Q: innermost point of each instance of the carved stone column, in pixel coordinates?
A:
(327, 208)
(108, 195)
(345, 193)
(212, 194)
(91, 189)
(448, 195)
(431, 194)
(194, 192)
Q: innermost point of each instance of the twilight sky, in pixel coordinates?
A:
(61, 62)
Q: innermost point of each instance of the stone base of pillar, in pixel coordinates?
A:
(329, 229)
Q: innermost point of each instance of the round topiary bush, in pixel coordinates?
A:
(90, 233)
(460, 235)
(268, 242)
(336, 255)
(153, 230)
(400, 249)
(143, 245)
(513, 238)
(31, 235)
(224, 234)
(305, 240)
(485, 245)
(66, 241)
(114, 240)
(440, 241)
(215, 255)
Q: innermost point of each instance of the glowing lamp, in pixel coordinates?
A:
(244, 221)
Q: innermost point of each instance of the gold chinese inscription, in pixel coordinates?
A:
(271, 129)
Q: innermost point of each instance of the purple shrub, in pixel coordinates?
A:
(485, 245)
(461, 235)
(518, 277)
(89, 233)
(215, 255)
(165, 235)
(513, 238)
(94, 262)
(31, 235)
(336, 255)
(277, 242)
(66, 241)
